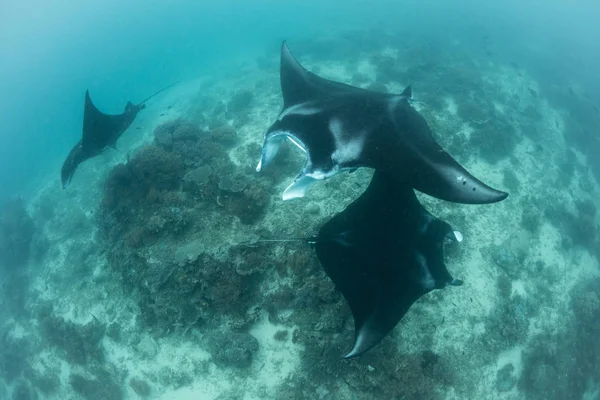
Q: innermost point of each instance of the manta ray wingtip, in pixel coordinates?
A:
(352, 354)
(493, 196)
(357, 350)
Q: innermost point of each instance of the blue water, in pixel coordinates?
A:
(51, 53)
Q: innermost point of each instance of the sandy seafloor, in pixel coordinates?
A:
(456, 320)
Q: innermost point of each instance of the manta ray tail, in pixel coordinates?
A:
(158, 92)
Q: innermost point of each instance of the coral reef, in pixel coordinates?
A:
(13, 357)
(168, 376)
(81, 343)
(578, 229)
(140, 387)
(142, 180)
(508, 323)
(100, 388)
(495, 139)
(511, 254)
(573, 348)
(169, 132)
(505, 378)
(531, 220)
(193, 291)
(510, 180)
(184, 183)
(232, 349)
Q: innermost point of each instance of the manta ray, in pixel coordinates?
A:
(383, 252)
(342, 127)
(99, 132)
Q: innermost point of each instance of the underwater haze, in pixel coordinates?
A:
(120, 51)
(169, 268)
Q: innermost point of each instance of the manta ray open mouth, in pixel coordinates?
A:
(341, 127)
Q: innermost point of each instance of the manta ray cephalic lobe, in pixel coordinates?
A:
(342, 127)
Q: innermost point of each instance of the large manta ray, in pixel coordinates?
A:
(342, 127)
(383, 252)
(99, 132)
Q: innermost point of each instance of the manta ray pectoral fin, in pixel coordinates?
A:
(364, 341)
(407, 92)
(443, 177)
(299, 187)
(298, 85)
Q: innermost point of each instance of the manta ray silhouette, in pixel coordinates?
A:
(342, 127)
(99, 132)
(383, 252)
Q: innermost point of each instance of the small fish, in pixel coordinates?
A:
(533, 93)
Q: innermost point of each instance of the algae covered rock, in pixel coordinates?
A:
(81, 343)
(505, 378)
(169, 132)
(198, 176)
(232, 349)
(188, 253)
(140, 387)
(233, 183)
(96, 389)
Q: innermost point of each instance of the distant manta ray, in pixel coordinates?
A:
(342, 127)
(99, 132)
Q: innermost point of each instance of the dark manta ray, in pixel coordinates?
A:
(99, 132)
(341, 127)
(383, 252)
